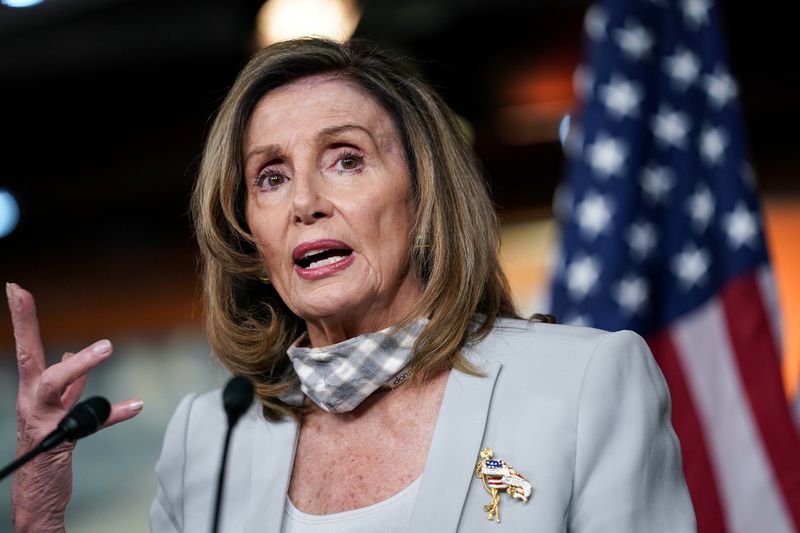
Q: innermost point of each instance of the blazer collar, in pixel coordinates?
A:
(454, 450)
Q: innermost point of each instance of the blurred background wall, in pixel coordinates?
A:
(104, 105)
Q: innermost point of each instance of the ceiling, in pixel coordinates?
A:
(105, 105)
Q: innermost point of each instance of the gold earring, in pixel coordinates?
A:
(422, 243)
(263, 277)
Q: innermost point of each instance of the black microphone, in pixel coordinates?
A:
(83, 420)
(236, 399)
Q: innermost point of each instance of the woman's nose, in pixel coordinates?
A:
(310, 203)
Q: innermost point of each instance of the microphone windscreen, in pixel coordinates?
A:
(237, 397)
(86, 418)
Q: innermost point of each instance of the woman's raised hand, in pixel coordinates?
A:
(41, 489)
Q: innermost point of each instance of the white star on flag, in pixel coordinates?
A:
(634, 40)
(582, 275)
(670, 127)
(656, 182)
(720, 87)
(741, 226)
(631, 294)
(695, 12)
(713, 142)
(700, 207)
(595, 22)
(690, 266)
(606, 155)
(642, 239)
(621, 97)
(683, 68)
(593, 214)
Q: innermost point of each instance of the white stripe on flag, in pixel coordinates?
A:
(749, 492)
(769, 293)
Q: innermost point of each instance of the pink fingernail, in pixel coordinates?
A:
(136, 406)
(101, 347)
(13, 297)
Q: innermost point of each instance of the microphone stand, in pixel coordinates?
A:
(221, 479)
(236, 399)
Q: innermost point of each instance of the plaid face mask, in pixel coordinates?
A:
(341, 376)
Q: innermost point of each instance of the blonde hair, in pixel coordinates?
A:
(455, 227)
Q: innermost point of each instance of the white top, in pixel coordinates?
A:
(392, 515)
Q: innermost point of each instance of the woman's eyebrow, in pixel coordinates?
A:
(269, 151)
(274, 151)
(333, 131)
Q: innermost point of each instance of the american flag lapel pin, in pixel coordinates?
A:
(498, 476)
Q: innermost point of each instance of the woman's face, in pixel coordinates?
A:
(329, 203)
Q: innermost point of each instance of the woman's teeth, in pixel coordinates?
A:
(320, 258)
(311, 253)
(327, 261)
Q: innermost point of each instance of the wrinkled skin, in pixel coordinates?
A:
(40, 491)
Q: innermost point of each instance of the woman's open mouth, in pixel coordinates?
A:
(316, 259)
(323, 257)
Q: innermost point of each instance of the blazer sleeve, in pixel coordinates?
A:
(628, 472)
(166, 511)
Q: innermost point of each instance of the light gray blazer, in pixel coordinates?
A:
(583, 414)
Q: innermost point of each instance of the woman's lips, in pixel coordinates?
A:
(317, 272)
(320, 258)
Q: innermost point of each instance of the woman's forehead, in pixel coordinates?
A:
(326, 94)
(316, 104)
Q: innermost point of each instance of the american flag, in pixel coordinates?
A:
(495, 471)
(662, 234)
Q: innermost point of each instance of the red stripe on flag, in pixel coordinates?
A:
(756, 356)
(697, 468)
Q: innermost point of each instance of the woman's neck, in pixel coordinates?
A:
(375, 450)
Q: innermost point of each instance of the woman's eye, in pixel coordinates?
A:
(349, 162)
(269, 180)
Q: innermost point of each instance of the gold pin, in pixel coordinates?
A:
(497, 476)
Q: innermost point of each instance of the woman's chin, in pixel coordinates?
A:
(332, 302)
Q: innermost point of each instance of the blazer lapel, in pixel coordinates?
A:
(272, 458)
(454, 450)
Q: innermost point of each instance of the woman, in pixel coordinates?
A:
(343, 222)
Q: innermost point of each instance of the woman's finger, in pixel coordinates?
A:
(54, 381)
(121, 411)
(75, 389)
(30, 353)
